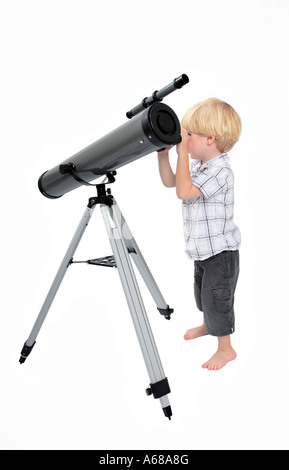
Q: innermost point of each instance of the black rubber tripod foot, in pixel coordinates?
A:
(168, 412)
(25, 352)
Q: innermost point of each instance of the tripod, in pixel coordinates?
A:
(123, 247)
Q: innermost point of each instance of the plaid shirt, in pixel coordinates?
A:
(208, 220)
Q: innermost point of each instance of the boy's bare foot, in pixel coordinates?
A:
(220, 359)
(194, 333)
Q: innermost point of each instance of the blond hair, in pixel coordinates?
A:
(214, 117)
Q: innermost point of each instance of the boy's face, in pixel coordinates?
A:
(197, 145)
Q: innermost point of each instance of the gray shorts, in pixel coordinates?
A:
(215, 283)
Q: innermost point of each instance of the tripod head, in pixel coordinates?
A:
(103, 194)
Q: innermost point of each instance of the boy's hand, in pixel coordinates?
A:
(182, 147)
(165, 152)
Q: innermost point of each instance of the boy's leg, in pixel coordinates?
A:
(219, 284)
(194, 333)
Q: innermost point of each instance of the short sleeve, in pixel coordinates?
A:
(211, 181)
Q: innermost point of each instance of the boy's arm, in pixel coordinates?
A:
(166, 172)
(184, 185)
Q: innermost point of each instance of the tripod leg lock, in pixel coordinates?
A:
(166, 312)
(159, 389)
(25, 352)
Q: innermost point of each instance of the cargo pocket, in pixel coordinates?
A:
(223, 299)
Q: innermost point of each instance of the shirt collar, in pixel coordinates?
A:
(197, 164)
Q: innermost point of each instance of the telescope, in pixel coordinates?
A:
(152, 126)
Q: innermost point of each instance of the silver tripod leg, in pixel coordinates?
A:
(27, 348)
(141, 265)
(159, 386)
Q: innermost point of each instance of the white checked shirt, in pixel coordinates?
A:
(208, 220)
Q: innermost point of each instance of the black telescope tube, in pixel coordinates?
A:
(176, 84)
(155, 128)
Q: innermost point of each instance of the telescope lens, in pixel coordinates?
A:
(166, 123)
(161, 125)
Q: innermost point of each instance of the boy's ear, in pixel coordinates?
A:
(211, 139)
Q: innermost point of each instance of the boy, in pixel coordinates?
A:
(209, 130)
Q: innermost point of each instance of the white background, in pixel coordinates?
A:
(69, 72)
